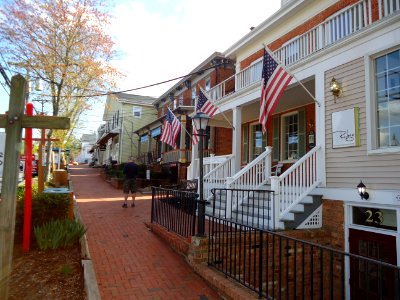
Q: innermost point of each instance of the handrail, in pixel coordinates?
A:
(265, 172)
(296, 182)
(216, 178)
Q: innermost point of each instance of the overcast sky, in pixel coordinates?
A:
(157, 40)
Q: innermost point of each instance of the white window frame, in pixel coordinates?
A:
(282, 136)
(370, 87)
(194, 92)
(207, 84)
(137, 109)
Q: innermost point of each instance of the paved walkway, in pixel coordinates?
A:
(129, 260)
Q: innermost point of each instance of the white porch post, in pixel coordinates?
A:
(182, 144)
(320, 125)
(193, 165)
(236, 138)
(149, 140)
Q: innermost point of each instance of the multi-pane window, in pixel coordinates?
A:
(258, 140)
(193, 95)
(387, 80)
(208, 84)
(291, 137)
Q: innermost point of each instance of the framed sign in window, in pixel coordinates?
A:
(345, 128)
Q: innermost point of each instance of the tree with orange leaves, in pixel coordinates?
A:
(65, 44)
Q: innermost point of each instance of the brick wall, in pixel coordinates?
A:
(223, 141)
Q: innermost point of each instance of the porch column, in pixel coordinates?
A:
(182, 144)
(193, 170)
(236, 138)
(149, 141)
(320, 124)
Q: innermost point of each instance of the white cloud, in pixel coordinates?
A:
(157, 45)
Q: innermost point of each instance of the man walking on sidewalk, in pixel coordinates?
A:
(131, 172)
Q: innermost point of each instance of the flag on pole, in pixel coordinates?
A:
(171, 129)
(273, 83)
(204, 104)
(195, 135)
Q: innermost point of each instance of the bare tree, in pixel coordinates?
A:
(65, 44)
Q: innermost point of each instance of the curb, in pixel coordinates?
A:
(89, 275)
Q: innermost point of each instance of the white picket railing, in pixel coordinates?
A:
(296, 182)
(248, 75)
(254, 175)
(216, 178)
(348, 21)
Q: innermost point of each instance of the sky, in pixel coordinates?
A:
(157, 40)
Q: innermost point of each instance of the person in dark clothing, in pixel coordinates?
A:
(131, 172)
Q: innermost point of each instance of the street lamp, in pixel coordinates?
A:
(200, 121)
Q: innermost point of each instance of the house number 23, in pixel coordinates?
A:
(375, 217)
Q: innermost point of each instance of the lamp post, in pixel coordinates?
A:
(200, 121)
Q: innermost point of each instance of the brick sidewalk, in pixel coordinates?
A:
(129, 260)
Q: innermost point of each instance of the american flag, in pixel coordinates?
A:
(195, 136)
(171, 129)
(274, 81)
(204, 105)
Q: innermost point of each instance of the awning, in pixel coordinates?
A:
(106, 137)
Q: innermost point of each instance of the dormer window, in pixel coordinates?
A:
(137, 112)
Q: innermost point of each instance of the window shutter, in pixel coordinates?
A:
(302, 132)
(275, 138)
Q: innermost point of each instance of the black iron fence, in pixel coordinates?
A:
(248, 207)
(281, 267)
(175, 210)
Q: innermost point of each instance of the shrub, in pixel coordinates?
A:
(45, 207)
(58, 234)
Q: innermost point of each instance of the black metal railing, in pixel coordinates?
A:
(247, 207)
(281, 267)
(175, 210)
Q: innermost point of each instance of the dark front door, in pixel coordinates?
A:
(368, 280)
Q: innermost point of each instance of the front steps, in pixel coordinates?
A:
(256, 212)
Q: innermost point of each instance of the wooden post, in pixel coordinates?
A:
(13, 122)
(10, 179)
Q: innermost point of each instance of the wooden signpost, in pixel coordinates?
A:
(13, 122)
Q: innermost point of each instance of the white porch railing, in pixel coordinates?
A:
(222, 89)
(295, 183)
(252, 176)
(216, 177)
(248, 75)
(347, 22)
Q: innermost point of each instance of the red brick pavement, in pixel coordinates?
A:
(129, 260)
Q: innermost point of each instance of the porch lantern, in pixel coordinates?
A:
(362, 191)
(200, 121)
(335, 88)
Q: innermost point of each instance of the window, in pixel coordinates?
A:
(137, 112)
(193, 96)
(387, 95)
(293, 143)
(208, 84)
(258, 141)
(290, 137)
(245, 150)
